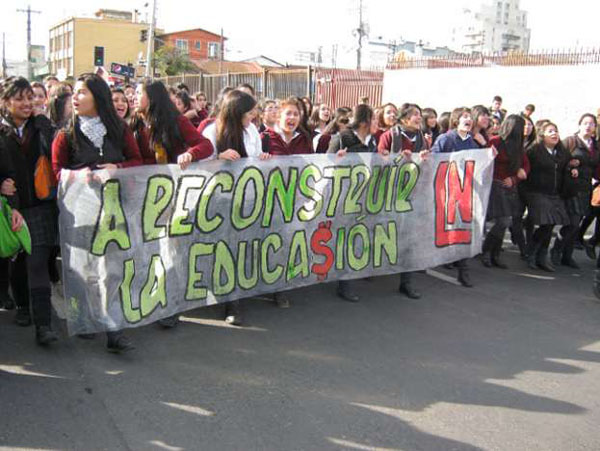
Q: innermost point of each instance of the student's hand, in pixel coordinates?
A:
(428, 139)
(521, 174)
(494, 151)
(383, 152)
(407, 154)
(574, 163)
(479, 139)
(342, 152)
(229, 154)
(184, 160)
(8, 188)
(574, 173)
(265, 156)
(17, 221)
(109, 166)
(508, 182)
(424, 154)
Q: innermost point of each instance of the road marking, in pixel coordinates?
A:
(442, 276)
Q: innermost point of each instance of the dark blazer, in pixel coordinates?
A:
(348, 140)
(547, 173)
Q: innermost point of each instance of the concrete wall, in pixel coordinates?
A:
(560, 93)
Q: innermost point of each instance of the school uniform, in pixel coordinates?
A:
(273, 142)
(252, 140)
(348, 139)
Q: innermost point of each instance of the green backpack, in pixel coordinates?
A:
(11, 243)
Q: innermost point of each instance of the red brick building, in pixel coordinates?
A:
(199, 44)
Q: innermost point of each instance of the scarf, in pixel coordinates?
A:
(94, 130)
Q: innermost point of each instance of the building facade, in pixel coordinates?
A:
(73, 42)
(498, 26)
(198, 44)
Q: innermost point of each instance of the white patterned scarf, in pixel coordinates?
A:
(93, 129)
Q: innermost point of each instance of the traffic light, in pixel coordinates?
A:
(143, 35)
(98, 56)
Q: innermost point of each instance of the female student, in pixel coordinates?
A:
(287, 138)
(184, 104)
(510, 168)
(407, 138)
(233, 136)
(97, 138)
(456, 139)
(338, 124)
(584, 156)
(356, 137)
(60, 107)
(550, 167)
(319, 120)
(23, 138)
(270, 114)
(40, 98)
(121, 103)
(481, 123)
(387, 117)
(430, 125)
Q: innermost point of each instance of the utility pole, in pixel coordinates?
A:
(221, 52)
(150, 50)
(4, 67)
(360, 31)
(28, 11)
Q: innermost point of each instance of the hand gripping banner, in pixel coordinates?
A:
(144, 243)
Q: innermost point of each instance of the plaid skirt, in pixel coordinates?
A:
(546, 209)
(42, 221)
(579, 205)
(504, 202)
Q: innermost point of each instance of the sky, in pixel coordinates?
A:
(277, 29)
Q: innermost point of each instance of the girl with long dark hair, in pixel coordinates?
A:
(40, 98)
(585, 157)
(60, 107)
(319, 119)
(549, 168)
(24, 138)
(510, 168)
(481, 123)
(387, 117)
(430, 125)
(215, 110)
(121, 103)
(338, 124)
(184, 104)
(96, 138)
(163, 134)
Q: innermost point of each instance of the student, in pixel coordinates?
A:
(97, 138)
(494, 126)
(49, 83)
(308, 106)
(319, 119)
(60, 108)
(430, 125)
(528, 111)
(456, 139)
(233, 137)
(444, 123)
(286, 138)
(338, 124)
(40, 99)
(129, 91)
(215, 110)
(549, 168)
(23, 138)
(303, 126)
(201, 105)
(584, 156)
(496, 109)
(121, 103)
(183, 102)
(387, 117)
(356, 138)
(270, 114)
(481, 123)
(510, 168)
(406, 138)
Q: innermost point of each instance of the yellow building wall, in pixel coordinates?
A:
(121, 42)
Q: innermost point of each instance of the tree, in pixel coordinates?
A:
(171, 61)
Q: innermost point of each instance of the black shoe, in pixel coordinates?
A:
(486, 259)
(117, 343)
(53, 272)
(347, 295)
(170, 322)
(6, 302)
(22, 317)
(570, 263)
(497, 262)
(545, 265)
(281, 300)
(234, 320)
(408, 290)
(233, 313)
(590, 250)
(464, 278)
(44, 335)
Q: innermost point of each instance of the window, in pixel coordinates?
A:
(182, 45)
(213, 49)
(198, 45)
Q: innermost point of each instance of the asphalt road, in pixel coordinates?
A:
(512, 364)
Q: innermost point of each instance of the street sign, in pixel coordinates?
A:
(122, 69)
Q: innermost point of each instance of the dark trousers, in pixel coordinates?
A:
(32, 270)
(542, 236)
(569, 234)
(500, 225)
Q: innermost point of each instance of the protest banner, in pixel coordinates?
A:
(144, 243)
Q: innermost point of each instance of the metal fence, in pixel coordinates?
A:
(515, 58)
(336, 87)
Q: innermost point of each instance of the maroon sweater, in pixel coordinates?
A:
(502, 162)
(274, 144)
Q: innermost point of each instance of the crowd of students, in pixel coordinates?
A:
(539, 182)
